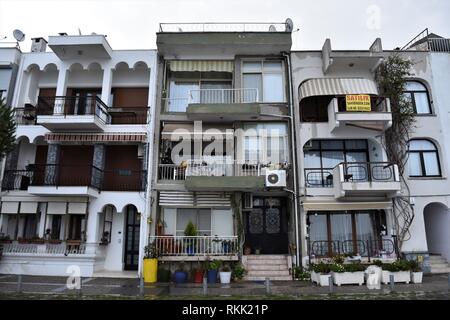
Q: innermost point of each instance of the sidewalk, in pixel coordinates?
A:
(41, 287)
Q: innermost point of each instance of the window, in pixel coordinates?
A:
(30, 225)
(266, 143)
(267, 77)
(56, 226)
(417, 93)
(321, 156)
(423, 160)
(201, 218)
(76, 227)
(315, 109)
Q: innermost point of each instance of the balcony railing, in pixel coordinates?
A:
(63, 249)
(352, 172)
(73, 106)
(439, 44)
(225, 27)
(211, 96)
(196, 246)
(129, 115)
(67, 175)
(369, 248)
(216, 168)
(25, 116)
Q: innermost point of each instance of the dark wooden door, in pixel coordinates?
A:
(75, 165)
(132, 230)
(266, 226)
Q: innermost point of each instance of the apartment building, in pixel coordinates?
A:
(75, 188)
(222, 146)
(347, 183)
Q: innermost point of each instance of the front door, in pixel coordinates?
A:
(266, 226)
(132, 228)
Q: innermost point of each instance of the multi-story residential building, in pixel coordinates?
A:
(347, 183)
(74, 191)
(224, 97)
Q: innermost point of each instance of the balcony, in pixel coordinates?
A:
(215, 175)
(365, 179)
(85, 113)
(378, 118)
(227, 39)
(73, 180)
(80, 46)
(184, 248)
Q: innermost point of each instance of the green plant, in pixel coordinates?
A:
(414, 266)
(238, 272)
(302, 273)
(7, 129)
(151, 251)
(321, 267)
(378, 263)
(181, 267)
(214, 265)
(337, 267)
(354, 267)
(190, 230)
(339, 259)
(225, 268)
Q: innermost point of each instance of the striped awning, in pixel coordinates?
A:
(185, 199)
(337, 86)
(201, 65)
(96, 137)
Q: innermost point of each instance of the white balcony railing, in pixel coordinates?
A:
(196, 246)
(211, 96)
(215, 168)
(225, 27)
(44, 248)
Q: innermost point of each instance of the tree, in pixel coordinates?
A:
(7, 129)
(391, 77)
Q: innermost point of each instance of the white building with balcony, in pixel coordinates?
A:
(75, 190)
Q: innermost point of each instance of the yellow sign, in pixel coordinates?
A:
(358, 102)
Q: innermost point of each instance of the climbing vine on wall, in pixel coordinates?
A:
(391, 77)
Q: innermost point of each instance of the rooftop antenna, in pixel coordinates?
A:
(18, 35)
(79, 31)
(289, 25)
(272, 28)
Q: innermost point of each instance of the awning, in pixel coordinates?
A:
(10, 207)
(338, 206)
(337, 86)
(187, 131)
(201, 65)
(184, 199)
(28, 207)
(96, 137)
(56, 208)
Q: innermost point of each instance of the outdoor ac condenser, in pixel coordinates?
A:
(275, 178)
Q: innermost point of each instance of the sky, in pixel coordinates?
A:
(350, 24)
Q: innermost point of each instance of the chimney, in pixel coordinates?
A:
(38, 45)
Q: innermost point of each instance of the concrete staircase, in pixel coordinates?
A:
(260, 267)
(439, 264)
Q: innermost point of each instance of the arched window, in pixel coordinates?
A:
(423, 159)
(418, 94)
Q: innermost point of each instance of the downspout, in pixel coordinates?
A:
(294, 157)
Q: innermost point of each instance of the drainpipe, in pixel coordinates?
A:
(294, 157)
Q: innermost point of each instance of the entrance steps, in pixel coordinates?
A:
(438, 264)
(260, 267)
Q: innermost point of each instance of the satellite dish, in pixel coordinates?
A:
(289, 25)
(19, 35)
(272, 28)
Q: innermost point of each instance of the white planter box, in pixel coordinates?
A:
(348, 278)
(399, 276)
(225, 277)
(416, 277)
(320, 279)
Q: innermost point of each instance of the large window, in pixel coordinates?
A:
(417, 93)
(423, 160)
(348, 231)
(201, 218)
(321, 156)
(315, 109)
(267, 77)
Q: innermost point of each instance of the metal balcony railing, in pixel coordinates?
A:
(369, 172)
(170, 245)
(225, 27)
(74, 106)
(129, 115)
(378, 104)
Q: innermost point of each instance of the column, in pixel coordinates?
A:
(98, 165)
(42, 226)
(106, 86)
(51, 169)
(61, 89)
(92, 231)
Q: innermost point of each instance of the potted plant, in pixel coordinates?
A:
(190, 231)
(163, 273)
(213, 266)
(238, 272)
(105, 238)
(258, 250)
(352, 273)
(321, 273)
(225, 274)
(301, 274)
(151, 256)
(400, 269)
(198, 274)
(416, 271)
(180, 274)
(37, 240)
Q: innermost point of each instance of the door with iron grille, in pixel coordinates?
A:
(132, 229)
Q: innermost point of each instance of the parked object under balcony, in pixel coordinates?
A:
(180, 276)
(163, 275)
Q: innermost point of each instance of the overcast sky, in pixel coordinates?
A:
(350, 24)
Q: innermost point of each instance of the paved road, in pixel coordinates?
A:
(40, 287)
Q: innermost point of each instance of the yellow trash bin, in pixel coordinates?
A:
(150, 270)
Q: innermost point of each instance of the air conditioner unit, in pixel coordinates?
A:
(248, 201)
(275, 178)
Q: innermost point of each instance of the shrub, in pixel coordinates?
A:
(321, 267)
(339, 259)
(301, 273)
(414, 266)
(238, 272)
(337, 267)
(214, 265)
(354, 267)
(378, 263)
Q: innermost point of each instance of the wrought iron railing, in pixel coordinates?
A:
(129, 115)
(368, 172)
(170, 245)
(319, 177)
